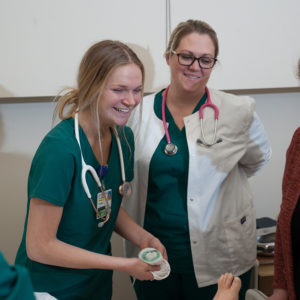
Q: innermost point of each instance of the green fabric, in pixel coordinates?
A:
(55, 176)
(14, 282)
(166, 209)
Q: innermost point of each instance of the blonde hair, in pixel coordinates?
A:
(100, 60)
(97, 64)
(187, 27)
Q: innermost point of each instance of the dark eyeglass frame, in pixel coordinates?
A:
(195, 58)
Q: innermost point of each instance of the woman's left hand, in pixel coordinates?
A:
(153, 242)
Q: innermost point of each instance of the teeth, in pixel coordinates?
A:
(193, 77)
(123, 110)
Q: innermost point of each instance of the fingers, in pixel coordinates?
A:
(228, 279)
(144, 271)
(236, 283)
(155, 243)
(225, 280)
(164, 253)
(154, 268)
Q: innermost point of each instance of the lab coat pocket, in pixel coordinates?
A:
(241, 240)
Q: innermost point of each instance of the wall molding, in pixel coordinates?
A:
(13, 100)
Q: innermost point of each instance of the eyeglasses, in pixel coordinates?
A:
(204, 62)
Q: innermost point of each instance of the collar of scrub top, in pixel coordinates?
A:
(124, 188)
(170, 148)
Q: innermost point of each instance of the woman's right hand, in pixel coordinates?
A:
(279, 294)
(139, 269)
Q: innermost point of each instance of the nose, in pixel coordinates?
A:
(195, 65)
(131, 99)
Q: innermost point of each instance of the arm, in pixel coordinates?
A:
(43, 246)
(279, 283)
(258, 151)
(290, 172)
(128, 229)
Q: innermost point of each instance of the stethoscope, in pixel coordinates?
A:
(170, 148)
(124, 188)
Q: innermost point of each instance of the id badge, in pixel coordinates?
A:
(101, 203)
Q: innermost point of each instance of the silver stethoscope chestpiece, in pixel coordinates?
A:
(125, 189)
(170, 149)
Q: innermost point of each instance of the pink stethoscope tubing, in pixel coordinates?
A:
(208, 103)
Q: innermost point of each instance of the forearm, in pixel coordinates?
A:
(129, 230)
(68, 256)
(43, 246)
(58, 253)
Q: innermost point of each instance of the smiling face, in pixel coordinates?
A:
(191, 78)
(121, 93)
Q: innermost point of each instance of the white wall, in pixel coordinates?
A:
(280, 116)
(22, 127)
(42, 41)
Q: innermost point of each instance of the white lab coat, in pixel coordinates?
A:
(219, 200)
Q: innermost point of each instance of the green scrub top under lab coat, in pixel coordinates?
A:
(55, 176)
(166, 209)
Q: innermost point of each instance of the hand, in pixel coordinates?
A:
(139, 269)
(279, 294)
(153, 242)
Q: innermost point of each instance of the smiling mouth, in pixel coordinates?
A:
(122, 110)
(191, 76)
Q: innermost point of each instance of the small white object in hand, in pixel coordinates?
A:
(152, 256)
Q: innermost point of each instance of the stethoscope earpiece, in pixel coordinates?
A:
(200, 142)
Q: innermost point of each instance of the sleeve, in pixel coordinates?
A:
(279, 271)
(283, 234)
(292, 164)
(258, 150)
(52, 172)
(14, 282)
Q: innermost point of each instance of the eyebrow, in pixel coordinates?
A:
(190, 52)
(125, 86)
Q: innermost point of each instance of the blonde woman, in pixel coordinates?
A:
(72, 211)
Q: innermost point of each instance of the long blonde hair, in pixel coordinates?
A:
(100, 60)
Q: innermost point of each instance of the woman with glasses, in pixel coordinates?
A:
(192, 166)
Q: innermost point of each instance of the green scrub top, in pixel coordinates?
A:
(55, 176)
(166, 214)
(14, 282)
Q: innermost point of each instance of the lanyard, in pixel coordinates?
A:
(124, 188)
